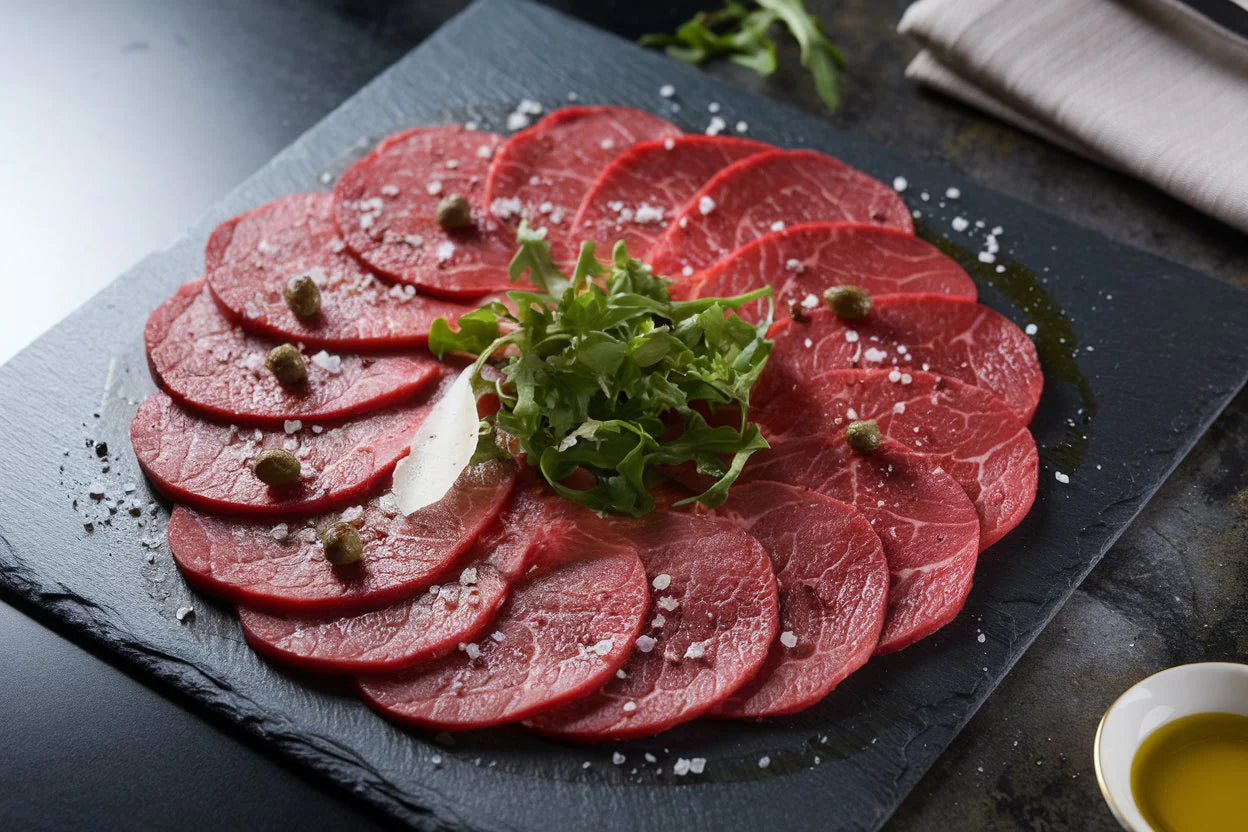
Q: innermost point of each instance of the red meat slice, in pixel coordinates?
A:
(565, 629)
(252, 257)
(207, 363)
(208, 465)
(281, 567)
(967, 430)
(712, 620)
(641, 191)
(542, 173)
(833, 582)
(411, 631)
(802, 261)
(386, 204)
(924, 520)
(767, 192)
(955, 338)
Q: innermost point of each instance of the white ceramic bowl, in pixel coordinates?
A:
(1180, 691)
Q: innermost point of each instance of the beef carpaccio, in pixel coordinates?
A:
(294, 377)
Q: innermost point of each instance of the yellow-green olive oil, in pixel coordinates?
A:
(1191, 774)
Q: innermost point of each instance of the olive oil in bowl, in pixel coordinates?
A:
(1192, 774)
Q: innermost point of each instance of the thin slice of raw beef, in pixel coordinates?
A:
(565, 629)
(639, 193)
(385, 206)
(281, 567)
(768, 192)
(543, 173)
(924, 520)
(801, 261)
(712, 620)
(417, 629)
(211, 365)
(966, 341)
(833, 582)
(208, 465)
(251, 258)
(967, 430)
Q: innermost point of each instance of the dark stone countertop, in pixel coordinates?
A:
(1170, 591)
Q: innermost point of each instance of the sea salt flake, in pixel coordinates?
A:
(617, 758)
(764, 761)
(331, 364)
(667, 90)
(645, 643)
(662, 581)
(874, 354)
(1064, 479)
(667, 602)
(292, 425)
(697, 649)
(279, 532)
(705, 205)
(960, 224)
(603, 647)
(697, 765)
(900, 184)
(1031, 329)
(629, 707)
(183, 613)
(952, 192)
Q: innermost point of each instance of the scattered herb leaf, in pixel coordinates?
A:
(603, 374)
(739, 33)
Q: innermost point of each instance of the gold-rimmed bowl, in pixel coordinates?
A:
(1146, 706)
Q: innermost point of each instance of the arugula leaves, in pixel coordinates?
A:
(603, 374)
(740, 34)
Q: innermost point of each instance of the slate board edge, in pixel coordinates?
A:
(326, 759)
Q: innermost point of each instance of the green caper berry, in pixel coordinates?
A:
(277, 467)
(849, 302)
(864, 436)
(287, 365)
(454, 212)
(342, 544)
(303, 297)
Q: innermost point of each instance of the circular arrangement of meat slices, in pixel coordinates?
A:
(293, 377)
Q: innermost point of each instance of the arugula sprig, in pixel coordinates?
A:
(740, 34)
(603, 374)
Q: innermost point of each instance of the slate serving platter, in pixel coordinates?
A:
(1140, 356)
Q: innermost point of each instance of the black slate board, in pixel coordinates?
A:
(1140, 356)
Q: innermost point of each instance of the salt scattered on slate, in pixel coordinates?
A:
(667, 90)
(952, 192)
(764, 761)
(184, 613)
(960, 224)
(713, 107)
(900, 184)
(716, 126)
(1064, 479)
(981, 638)
(742, 127)
(617, 758)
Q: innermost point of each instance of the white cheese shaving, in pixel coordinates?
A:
(441, 449)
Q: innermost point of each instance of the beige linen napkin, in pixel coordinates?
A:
(1148, 86)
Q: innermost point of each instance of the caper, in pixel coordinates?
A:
(864, 436)
(302, 296)
(277, 467)
(342, 544)
(287, 365)
(454, 212)
(849, 302)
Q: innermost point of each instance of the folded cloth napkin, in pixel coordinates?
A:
(1147, 86)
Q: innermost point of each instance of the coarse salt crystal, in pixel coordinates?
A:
(331, 364)
(899, 408)
(658, 621)
(445, 251)
(778, 225)
(697, 649)
(468, 577)
(788, 639)
(662, 581)
(794, 265)
(764, 761)
(669, 143)
(292, 425)
(1064, 479)
(851, 336)
(645, 643)
(279, 532)
(434, 188)
(667, 602)
(713, 107)
(952, 192)
(697, 765)
(1031, 329)
(716, 126)
(900, 184)
(629, 707)
(603, 647)
(667, 90)
(742, 127)
(705, 205)
(472, 651)
(874, 354)
(810, 301)
(687, 270)
(617, 758)
(681, 767)
(184, 612)
(960, 224)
